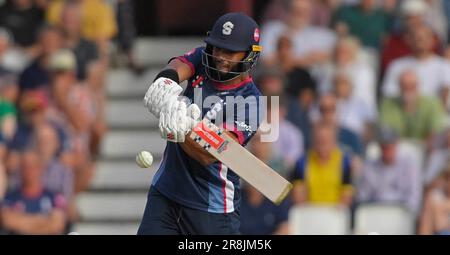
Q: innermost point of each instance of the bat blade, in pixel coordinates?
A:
(242, 162)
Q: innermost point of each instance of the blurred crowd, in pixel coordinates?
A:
(54, 56)
(364, 108)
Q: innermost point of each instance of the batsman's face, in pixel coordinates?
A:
(226, 60)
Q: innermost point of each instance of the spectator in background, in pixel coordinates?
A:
(347, 59)
(98, 21)
(392, 178)
(322, 12)
(271, 82)
(33, 106)
(435, 17)
(36, 74)
(23, 20)
(323, 174)
(437, 159)
(3, 172)
(412, 115)
(90, 70)
(127, 32)
(295, 77)
(432, 70)
(85, 50)
(57, 177)
(8, 96)
(356, 20)
(435, 217)
(31, 209)
(260, 216)
(281, 154)
(73, 107)
(353, 113)
(349, 141)
(5, 41)
(299, 106)
(311, 45)
(412, 15)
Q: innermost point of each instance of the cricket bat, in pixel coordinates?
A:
(224, 148)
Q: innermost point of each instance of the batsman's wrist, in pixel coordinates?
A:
(168, 73)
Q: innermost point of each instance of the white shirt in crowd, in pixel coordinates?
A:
(354, 114)
(433, 74)
(304, 41)
(363, 80)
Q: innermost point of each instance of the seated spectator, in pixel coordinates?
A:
(347, 59)
(3, 173)
(412, 14)
(8, 97)
(57, 177)
(271, 82)
(5, 41)
(435, 218)
(432, 70)
(259, 216)
(348, 141)
(322, 12)
(301, 104)
(295, 77)
(353, 113)
(31, 209)
(85, 50)
(98, 21)
(412, 115)
(437, 159)
(392, 178)
(33, 105)
(36, 75)
(23, 19)
(311, 45)
(323, 174)
(72, 107)
(356, 19)
(282, 153)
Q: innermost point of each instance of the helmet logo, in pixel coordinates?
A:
(256, 35)
(227, 28)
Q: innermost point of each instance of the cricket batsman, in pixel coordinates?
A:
(192, 193)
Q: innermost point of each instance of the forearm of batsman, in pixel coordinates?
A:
(195, 151)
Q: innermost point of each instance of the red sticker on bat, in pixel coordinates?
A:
(208, 135)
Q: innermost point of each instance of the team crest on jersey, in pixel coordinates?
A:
(197, 81)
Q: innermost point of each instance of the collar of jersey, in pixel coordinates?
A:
(221, 86)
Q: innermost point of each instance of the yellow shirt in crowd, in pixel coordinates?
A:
(325, 181)
(98, 18)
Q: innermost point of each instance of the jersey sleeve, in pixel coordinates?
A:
(192, 58)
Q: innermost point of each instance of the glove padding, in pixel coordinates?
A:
(176, 120)
(159, 93)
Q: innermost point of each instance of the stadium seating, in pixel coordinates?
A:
(384, 219)
(319, 220)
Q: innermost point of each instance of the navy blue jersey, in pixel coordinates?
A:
(42, 203)
(213, 188)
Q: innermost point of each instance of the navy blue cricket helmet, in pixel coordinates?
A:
(233, 32)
